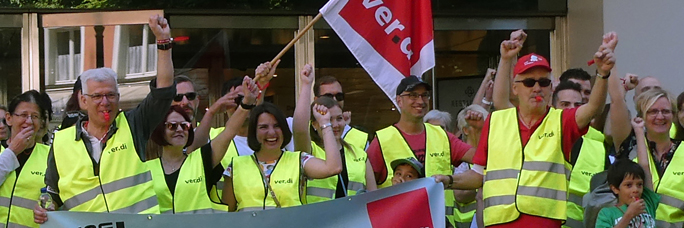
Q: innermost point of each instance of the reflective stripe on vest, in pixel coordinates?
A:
(512, 183)
(319, 190)
(591, 160)
(437, 155)
(217, 189)
(190, 195)
(124, 184)
(464, 214)
(249, 188)
(356, 138)
(671, 206)
(19, 194)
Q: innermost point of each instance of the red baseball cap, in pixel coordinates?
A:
(528, 62)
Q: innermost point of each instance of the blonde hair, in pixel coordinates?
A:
(646, 99)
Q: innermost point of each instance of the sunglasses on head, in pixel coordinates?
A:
(190, 96)
(337, 96)
(543, 82)
(174, 125)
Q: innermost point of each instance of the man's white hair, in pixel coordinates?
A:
(442, 116)
(99, 75)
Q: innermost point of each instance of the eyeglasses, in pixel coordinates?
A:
(25, 116)
(98, 97)
(174, 125)
(543, 82)
(190, 96)
(654, 112)
(415, 96)
(337, 96)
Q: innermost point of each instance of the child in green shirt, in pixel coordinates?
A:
(637, 204)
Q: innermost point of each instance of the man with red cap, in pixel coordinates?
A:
(526, 149)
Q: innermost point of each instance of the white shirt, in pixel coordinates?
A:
(96, 151)
(242, 146)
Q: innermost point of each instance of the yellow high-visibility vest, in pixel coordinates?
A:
(251, 192)
(356, 137)
(437, 157)
(533, 179)
(217, 189)
(190, 195)
(19, 194)
(591, 160)
(124, 183)
(320, 190)
(670, 212)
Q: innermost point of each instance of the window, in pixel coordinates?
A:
(63, 57)
(135, 51)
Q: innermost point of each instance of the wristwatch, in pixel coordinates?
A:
(246, 106)
(485, 101)
(602, 76)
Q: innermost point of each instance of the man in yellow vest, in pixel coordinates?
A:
(104, 153)
(437, 149)
(526, 149)
(331, 87)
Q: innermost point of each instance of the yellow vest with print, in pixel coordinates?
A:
(670, 212)
(217, 189)
(356, 137)
(463, 213)
(532, 180)
(248, 182)
(19, 194)
(437, 156)
(190, 195)
(591, 160)
(319, 190)
(124, 184)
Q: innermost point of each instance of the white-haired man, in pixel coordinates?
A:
(97, 164)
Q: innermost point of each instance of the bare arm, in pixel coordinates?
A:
(605, 61)
(228, 196)
(263, 75)
(302, 114)
(482, 91)
(619, 114)
(642, 150)
(465, 196)
(202, 131)
(467, 180)
(370, 178)
(160, 27)
(220, 144)
(509, 49)
(332, 165)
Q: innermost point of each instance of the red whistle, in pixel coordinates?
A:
(106, 116)
(590, 62)
(538, 98)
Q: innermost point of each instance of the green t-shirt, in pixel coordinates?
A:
(610, 216)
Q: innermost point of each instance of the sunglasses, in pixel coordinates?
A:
(174, 125)
(190, 96)
(544, 82)
(337, 96)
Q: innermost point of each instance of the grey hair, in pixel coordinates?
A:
(442, 116)
(99, 75)
(473, 107)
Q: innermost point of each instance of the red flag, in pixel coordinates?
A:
(409, 209)
(391, 39)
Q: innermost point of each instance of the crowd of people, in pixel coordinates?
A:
(531, 151)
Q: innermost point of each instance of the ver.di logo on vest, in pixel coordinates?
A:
(678, 173)
(37, 173)
(118, 148)
(361, 159)
(437, 154)
(194, 180)
(288, 181)
(546, 135)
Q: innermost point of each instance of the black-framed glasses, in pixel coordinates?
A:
(174, 125)
(190, 96)
(337, 96)
(98, 97)
(543, 82)
(415, 96)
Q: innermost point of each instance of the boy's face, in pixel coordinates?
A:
(629, 190)
(404, 173)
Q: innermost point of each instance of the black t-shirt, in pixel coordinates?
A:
(212, 174)
(339, 193)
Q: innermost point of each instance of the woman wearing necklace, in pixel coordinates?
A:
(273, 178)
(357, 174)
(182, 179)
(657, 108)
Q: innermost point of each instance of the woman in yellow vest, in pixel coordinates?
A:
(271, 177)
(183, 177)
(24, 159)
(3, 125)
(658, 109)
(357, 174)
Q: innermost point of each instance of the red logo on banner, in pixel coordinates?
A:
(397, 29)
(410, 209)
